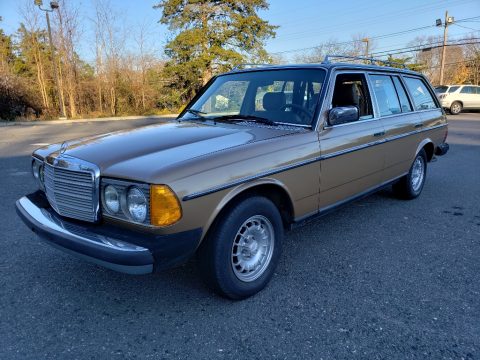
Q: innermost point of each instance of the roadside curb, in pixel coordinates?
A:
(77, 121)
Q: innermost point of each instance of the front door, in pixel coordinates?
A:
(352, 157)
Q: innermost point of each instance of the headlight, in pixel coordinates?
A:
(37, 172)
(141, 203)
(36, 169)
(137, 204)
(111, 199)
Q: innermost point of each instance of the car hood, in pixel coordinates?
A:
(131, 153)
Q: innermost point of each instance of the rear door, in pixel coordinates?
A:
(476, 99)
(468, 95)
(399, 120)
(352, 158)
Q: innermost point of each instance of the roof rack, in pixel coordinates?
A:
(249, 66)
(372, 61)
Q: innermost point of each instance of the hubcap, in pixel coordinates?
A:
(252, 248)
(418, 171)
(456, 108)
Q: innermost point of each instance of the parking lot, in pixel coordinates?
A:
(379, 279)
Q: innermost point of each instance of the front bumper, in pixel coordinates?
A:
(118, 249)
(445, 103)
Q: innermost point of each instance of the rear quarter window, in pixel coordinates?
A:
(421, 96)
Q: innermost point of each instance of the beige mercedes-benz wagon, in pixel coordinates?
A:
(256, 152)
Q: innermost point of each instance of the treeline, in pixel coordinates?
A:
(126, 77)
(117, 82)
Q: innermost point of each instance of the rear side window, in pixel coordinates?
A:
(422, 98)
(402, 95)
(386, 95)
(468, 90)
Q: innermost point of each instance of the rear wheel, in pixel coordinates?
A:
(240, 253)
(456, 108)
(410, 186)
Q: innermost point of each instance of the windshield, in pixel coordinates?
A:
(269, 96)
(441, 89)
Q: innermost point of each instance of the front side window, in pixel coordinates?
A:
(277, 96)
(453, 89)
(422, 98)
(352, 90)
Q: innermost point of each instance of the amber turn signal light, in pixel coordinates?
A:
(164, 206)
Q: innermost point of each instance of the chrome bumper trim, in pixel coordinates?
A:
(109, 252)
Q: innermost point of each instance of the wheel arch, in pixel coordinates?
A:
(272, 189)
(429, 147)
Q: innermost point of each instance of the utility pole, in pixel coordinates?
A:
(53, 6)
(367, 41)
(448, 21)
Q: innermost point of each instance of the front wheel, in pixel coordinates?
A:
(240, 253)
(410, 186)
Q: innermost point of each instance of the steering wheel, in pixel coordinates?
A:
(304, 111)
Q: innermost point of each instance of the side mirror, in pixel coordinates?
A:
(343, 114)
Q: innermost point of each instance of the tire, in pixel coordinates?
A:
(410, 186)
(455, 108)
(224, 252)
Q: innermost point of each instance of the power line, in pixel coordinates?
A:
(354, 41)
(426, 48)
(420, 46)
(372, 37)
(466, 27)
(375, 19)
(458, 37)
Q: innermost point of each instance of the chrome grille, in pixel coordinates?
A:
(71, 193)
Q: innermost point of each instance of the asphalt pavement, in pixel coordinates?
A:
(379, 279)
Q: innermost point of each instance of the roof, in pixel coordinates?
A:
(326, 66)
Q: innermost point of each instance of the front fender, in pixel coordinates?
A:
(242, 188)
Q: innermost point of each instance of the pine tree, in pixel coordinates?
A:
(211, 36)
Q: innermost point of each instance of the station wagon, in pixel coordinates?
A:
(258, 151)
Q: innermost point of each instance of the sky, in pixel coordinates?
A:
(302, 23)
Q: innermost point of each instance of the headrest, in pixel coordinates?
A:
(274, 101)
(345, 94)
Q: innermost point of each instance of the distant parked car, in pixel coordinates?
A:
(456, 98)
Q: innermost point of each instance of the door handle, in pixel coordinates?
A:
(419, 125)
(381, 133)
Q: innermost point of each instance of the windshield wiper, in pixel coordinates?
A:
(241, 117)
(199, 114)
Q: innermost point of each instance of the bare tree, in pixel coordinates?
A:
(67, 37)
(32, 26)
(110, 37)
